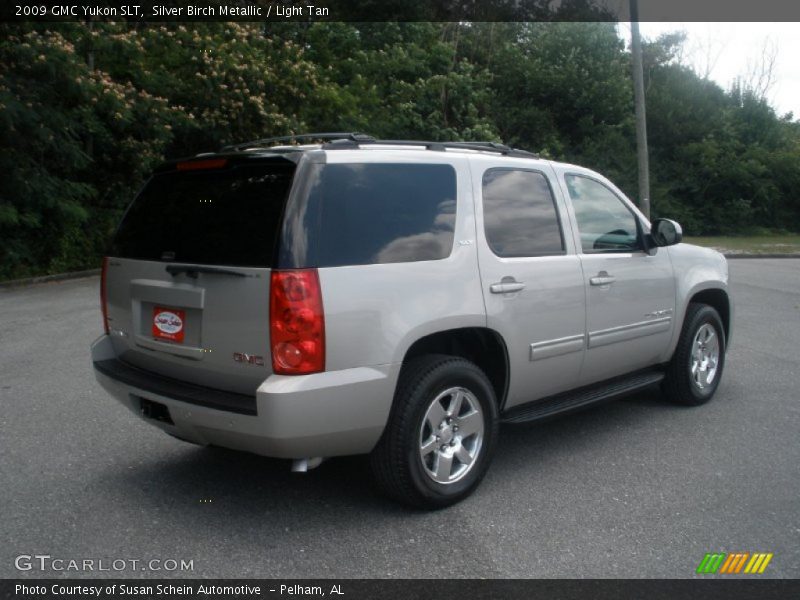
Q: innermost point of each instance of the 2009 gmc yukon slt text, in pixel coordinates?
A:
(399, 299)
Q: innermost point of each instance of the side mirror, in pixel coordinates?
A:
(666, 232)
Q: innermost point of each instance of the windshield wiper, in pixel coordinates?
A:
(193, 270)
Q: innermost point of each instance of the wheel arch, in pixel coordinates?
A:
(714, 294)
(718, 299)
(483, 346)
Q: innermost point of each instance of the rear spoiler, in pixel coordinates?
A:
(211, 161)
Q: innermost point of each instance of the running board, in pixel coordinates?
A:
(580, 398)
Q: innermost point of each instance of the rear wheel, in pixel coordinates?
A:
(694, 372)
(441, 434)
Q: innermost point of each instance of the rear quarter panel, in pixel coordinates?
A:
(373, 313)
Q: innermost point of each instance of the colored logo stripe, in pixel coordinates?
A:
(758, 563)
(710, 563)
(733, 563)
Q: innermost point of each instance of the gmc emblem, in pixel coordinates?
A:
(250, 359)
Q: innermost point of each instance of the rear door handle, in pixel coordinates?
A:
(506, 287)
(602, 278)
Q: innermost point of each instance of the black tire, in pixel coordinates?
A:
(679, 385)
(396, 463)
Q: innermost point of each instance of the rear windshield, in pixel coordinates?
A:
(215, 217)
(370, 213)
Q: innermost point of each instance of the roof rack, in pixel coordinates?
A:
(349, 136)
(339, 144)
(345, 140)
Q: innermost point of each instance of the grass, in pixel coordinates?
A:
(751, 244)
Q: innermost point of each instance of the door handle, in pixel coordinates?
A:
(506, 287)
(602, 278)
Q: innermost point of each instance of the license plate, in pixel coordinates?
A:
(168, 324)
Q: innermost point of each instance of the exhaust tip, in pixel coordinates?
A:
(301, 465)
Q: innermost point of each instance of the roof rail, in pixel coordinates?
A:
(494, 147)
(339, 144)
(349, 136)
(344, 140)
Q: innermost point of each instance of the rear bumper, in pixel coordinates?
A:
(325, 414)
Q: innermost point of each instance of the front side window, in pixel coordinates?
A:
(604, 222)
(519, 214)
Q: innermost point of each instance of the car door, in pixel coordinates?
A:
(630, 293)
(531, 276)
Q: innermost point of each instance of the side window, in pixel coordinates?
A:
(519, 214)
(371, 213)
(604, 222)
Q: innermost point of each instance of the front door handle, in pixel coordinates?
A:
(506, 287)
(602, 278)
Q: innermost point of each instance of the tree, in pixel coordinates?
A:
(87, 110)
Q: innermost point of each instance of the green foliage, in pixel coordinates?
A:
(721, 162)
(73, 142)
(87, 110)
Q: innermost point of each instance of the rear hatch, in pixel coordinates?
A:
(188, 274)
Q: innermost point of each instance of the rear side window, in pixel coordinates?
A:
(519, 214)
(215, 217)
(370, 213)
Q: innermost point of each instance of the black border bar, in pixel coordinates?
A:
(397, 10)
(412, 589)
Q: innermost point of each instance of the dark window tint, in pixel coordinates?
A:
(215, 217)
(519, 214)
(604, 222)
(367, 213)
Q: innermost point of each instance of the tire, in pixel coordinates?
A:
(409, 464)
(683, 386)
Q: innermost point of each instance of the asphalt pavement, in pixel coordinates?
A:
(634, 488)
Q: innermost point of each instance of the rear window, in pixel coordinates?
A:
(370, 213)
(214, 217)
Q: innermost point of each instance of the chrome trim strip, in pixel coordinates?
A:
(174, 349)
(659, 313)
(557, 347)
(623, 333)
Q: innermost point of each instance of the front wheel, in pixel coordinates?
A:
(441, 434)
(695, 370)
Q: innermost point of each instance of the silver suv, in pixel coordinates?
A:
(396, 298)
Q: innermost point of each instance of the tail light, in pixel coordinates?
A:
(296, 322)
(103, 294)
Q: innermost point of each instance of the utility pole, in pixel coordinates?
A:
(641, 118)
(89, 142)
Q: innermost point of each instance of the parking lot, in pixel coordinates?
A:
(634, 488)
